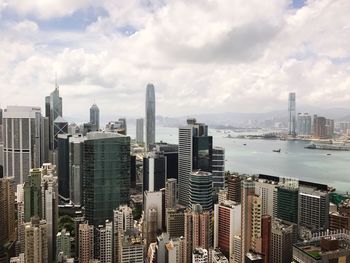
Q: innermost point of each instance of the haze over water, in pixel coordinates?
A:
(257, 157)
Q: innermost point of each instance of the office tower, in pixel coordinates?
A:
(314, 209)
(200, 255)
(237, 244)
(106, 170)
(154, 172)
(49, 197)
(33, 195)
(256, 245)
(171, 154)
(234, 188)
(63, 164)
(36, 247)
(218, 168)
(7, 208)
(133, 171)
(222, 196)
(86, 243)
(195, 152)
(105, 241)
(153, 211)
(53, 107)
(329, 128)
(122, 221)
(304, 124)
(63, 243)
(281, 242)
(201, 189)
(95, 117)
(170, 193)
(253, 257)
(22, 141)
(60, 126)
(218, 257)
(327, 246)
(248, 192)
(73, 129)
(150, 116)
(162, 240)
(266, 237)
(197, 230)
(75, 168)
(267, 190)
(175, 250)
(291, 114)
(288, 201)
(175, 222)
(131, 247)
(227, 224)
(139, 131)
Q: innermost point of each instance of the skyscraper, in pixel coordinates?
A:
(195, 153)
(63, 244)
(32, 195)
(36, 247)
(60, 126)
(288, 202)
(86, 243)
(105, 241)
(281, 242)
(153, 214)
(150, 116)
(201, 189)
(154, 174)
(291, 114)
(95, 117)
(234, 188)
(218, 167)
(7, 208)
(170, 193)
(139, 131)
(304, 124)
(53, 108)
(266, 237)
(22, 141)
(106, 174)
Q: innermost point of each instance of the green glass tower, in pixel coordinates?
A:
(106, 175)
(32, 195)
(287, 204)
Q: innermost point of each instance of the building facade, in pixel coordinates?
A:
(150, 116)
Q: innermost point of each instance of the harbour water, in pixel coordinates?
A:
(257, 156)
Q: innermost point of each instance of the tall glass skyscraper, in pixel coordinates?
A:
(106, 175)
(95, 117)
(150, 116)
(292, 122)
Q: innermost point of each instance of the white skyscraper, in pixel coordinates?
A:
(22, 141)
(291, 114)
(150, 116)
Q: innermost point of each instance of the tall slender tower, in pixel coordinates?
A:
(95, 117)
(291, 114)
(150, 115)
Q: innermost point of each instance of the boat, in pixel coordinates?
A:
(277, 151)
(329, 154)
(244, 144)
(326, 146)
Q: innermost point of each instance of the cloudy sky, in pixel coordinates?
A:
(202, 55)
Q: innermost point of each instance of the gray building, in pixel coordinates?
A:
(106, 174)
(281, 242)
(95, 117)
(291, 114)
(218, 168)
(139, 131)
(53, 108)
(60, 126)
(200, 190)
(150, 116)
(304, 124)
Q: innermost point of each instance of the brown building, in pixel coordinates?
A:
(175, 222)
(86, 243)
(266, 237)
(7, 208)
(340, 219)
(234, 188)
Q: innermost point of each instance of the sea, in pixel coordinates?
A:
(256, 156)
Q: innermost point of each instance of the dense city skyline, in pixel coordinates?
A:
(203, 57)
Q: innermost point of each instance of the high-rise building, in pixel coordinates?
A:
(32, 195)
(234, 188)
(53, 109)
(131, 247)
(63, 169)
(170, 152)
(95, 117)
(291, 114)
(218, 168)
(281, 242)
(153, 215)
(175, 250)
(288, 202)
(150, 116)
(195, 153)
(118, 126)
(267, 190)
(139, 131)
(256, 244)
(154, 174)
(106, 170)
(201, 189)
(36, 247)
(200, 255)
(218, 257)
(175, 222)
(322, 128)
(197, 230)
(23, 141)
(162, 240)
(105, 242)
(248, 192)
(170, 193)
(63, 244)
(7, 208)
(60, 126)
(266, 237)
(86, 243)
(227, 224)
(304, 124)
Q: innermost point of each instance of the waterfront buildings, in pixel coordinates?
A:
(95, 117)
(150, 116)
(323, 128)
(291, 114)
(106, 170)
(304, 124)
